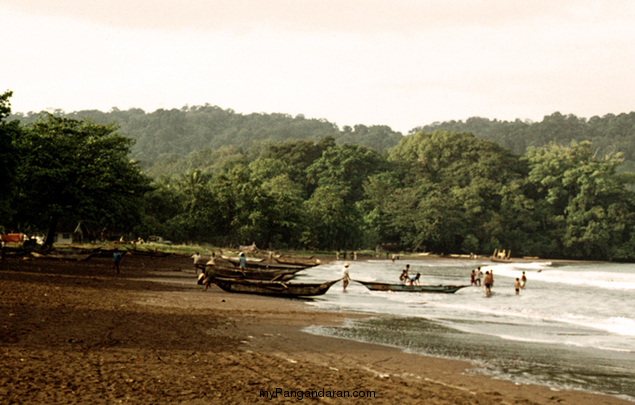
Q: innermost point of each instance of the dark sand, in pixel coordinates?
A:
(71, 332)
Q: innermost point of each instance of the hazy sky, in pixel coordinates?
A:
(401, 63)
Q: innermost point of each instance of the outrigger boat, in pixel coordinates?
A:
(263, 264)
(276, 288)
(376, 286)
(229, 271)
(297, 260)
(501, 257)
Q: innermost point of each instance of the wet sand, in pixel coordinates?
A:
(71, 332)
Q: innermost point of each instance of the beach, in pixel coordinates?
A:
(72, 332)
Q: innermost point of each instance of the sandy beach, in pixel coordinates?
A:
(72, 332)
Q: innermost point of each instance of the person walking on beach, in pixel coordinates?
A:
(346, 277)
(404, 274)
(210, 272)
(487, 282)
(116, 260)
(479, 276)
(197, 258)
(523, 280)
(517, 285)
(242, 261)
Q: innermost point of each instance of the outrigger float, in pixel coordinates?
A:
(445, 289)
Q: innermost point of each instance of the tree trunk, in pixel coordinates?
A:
(50, 237)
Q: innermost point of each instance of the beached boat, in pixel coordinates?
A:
(63, 256)
(233, 272)
(375, 286)
(263, 264)
(297, 260)
(151, 253)
(273, 287)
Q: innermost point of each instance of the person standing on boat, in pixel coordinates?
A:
(346, 277)
(404, 274)
(523, 280)
(242, 261)
(473, 277)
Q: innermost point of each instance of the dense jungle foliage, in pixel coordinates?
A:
(223, 178)
(172, 142)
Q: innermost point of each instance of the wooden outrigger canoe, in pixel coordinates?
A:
(501, 257)
(152, 253)
(229, 271)
(299, 261)
(63, 256)
(446, 289)
(500, 260)
(274, 287)
(263, 264)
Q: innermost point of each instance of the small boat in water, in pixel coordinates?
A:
(277, 288)
(446, 289)
(501, 257)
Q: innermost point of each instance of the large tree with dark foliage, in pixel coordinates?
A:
(77, 170)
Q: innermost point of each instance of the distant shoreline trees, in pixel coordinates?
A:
(290, 182)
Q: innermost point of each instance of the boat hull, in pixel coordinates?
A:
(264, 264)
(275, 288)
(298, 261)
(443, 289)
(254, 274)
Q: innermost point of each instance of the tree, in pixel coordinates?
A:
(77, 170)
(332, 223)
(9, 132)
(348, 166)
(584, 206)
(451, 195)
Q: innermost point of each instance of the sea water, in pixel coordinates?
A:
(571, 327)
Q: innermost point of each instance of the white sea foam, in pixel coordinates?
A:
(553, 296)
(580, 276)
(571, 307)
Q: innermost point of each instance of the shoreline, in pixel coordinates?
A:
(291, 318)
(392, 363)
(73, 333)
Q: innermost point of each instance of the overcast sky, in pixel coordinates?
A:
(401, 63)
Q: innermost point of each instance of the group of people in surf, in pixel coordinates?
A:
(405, 278)
(488, 281)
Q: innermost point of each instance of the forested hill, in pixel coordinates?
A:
(171, 142)
(609, 134)
(167, 137)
